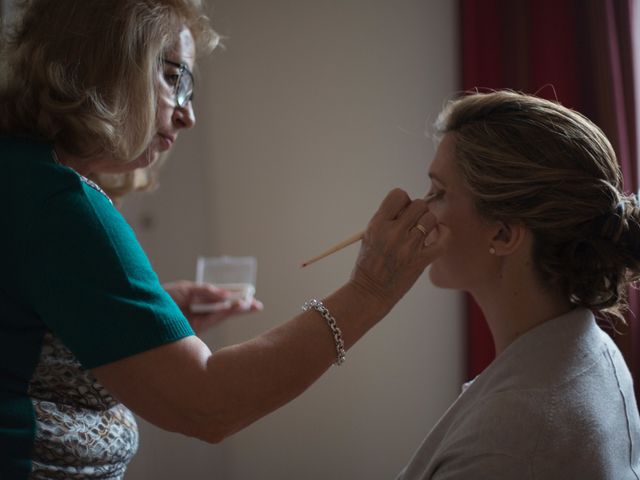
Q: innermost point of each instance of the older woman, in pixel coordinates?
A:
(542, 236)
(94, 93)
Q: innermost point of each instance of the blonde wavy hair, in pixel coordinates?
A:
(530, 160)
(84, 74)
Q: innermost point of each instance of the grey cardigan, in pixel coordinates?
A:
(557, 404)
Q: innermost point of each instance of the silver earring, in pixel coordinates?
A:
(492, 250)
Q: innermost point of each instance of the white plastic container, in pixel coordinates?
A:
(235, 274)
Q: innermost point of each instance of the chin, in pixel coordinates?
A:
(438, 277)
(145, 160)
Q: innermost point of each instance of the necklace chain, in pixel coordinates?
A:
(84, 179)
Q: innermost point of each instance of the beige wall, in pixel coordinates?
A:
(312, 112)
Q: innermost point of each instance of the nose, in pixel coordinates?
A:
(184, 117)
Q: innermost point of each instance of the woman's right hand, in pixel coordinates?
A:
(394, 252)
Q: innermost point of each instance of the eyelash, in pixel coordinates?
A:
(437, 194)
(171, 78)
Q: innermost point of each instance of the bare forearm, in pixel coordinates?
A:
(183, 387)
(254, 378)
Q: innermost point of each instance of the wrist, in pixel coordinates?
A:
(368, 300)
(318, 306)
(371, 292)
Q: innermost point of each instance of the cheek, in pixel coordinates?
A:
(163, 115)
(164, 108)
(455, 270)
(438, 208)
(462, 264)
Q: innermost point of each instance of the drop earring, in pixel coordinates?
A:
(492, 250)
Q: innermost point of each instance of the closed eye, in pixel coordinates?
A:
(434, 195)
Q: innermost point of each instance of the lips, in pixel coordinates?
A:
(167, 141)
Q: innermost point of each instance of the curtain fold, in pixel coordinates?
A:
(578, 52)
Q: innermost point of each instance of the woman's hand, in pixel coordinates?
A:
(181, 386)
(186, 293)
(394, 252)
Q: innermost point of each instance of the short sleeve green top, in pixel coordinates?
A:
(77, 285)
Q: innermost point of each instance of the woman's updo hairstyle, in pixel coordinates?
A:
(532, 161)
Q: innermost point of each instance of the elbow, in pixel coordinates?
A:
(192, 421)
(212, 428)
(207, 433)
(214, 434)
(213, 438)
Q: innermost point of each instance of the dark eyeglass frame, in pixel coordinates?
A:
(183, 89)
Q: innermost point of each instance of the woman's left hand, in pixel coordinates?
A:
(186, 293)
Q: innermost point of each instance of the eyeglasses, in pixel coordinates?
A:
(182, 83)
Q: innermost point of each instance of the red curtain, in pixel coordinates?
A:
(576, 51)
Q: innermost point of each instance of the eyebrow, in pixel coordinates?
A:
(175, 64)
(435, 177)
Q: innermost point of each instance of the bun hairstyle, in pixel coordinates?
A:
(532, 161)
(84, 73)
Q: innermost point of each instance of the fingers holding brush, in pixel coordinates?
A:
(391, 208)
(394, 250)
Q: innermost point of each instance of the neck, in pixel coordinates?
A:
(514, 302)
(79, 164)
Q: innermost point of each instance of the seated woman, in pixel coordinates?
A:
(541, 235)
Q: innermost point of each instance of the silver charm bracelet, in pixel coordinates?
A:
(318, 306)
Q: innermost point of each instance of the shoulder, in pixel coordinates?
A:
(566, 349)
(508, 422)
(31, 185)
(483, 435)
(538, 411)
(30, 175)
(34, 184)
(532, 434)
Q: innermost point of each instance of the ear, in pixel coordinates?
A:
(508, 238)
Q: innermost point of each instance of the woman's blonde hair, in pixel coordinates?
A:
(83, 74)
(533, 161)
